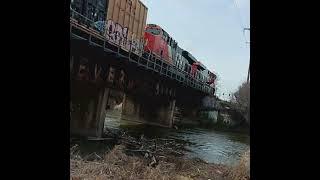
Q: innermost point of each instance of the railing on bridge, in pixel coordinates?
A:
(83, 28)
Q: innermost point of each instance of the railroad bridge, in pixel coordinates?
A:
(104, 75)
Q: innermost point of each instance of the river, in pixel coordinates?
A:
(210, 145)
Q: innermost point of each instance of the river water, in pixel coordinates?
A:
(210, 145)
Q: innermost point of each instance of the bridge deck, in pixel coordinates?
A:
(83, 30)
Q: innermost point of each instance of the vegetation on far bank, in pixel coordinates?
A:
(241, 100)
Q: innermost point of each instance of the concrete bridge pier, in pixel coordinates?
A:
(189, 104)
(88, 109)
(164, 113)
(157, 111)
(130, 108)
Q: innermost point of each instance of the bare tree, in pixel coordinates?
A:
(241, 100)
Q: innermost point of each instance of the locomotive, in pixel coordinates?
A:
(160, 43)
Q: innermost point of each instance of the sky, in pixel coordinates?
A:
(212, 31)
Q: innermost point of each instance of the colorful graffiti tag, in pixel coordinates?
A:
(118, 35)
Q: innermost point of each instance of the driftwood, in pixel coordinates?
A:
(138, 150)
(152, 148)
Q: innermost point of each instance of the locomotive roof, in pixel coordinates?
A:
(192, 59)
(154, 25)
(189, 57)
(201, 66)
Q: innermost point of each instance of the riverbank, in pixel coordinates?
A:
(118, 165)
(126, 157)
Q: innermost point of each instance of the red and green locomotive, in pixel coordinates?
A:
(159, 43)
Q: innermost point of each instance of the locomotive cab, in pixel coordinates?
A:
(151, 35)
(159, 43)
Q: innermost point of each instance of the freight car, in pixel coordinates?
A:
(121, 22)
(94, 10)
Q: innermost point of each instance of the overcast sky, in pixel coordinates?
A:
(212, 30)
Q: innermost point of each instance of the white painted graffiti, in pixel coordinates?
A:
(118, 35)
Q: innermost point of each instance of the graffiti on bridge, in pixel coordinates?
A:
(97, 73)
(102, 73)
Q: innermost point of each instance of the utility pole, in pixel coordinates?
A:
(248, 42)
(248, 77)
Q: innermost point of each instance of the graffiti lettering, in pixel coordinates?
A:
(117, 34)
(134, 45)
(110, 26)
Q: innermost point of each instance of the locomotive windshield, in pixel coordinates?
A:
(153, 31)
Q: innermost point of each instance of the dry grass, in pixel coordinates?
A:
(242, 170)
(122, 163)
(117, 165)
